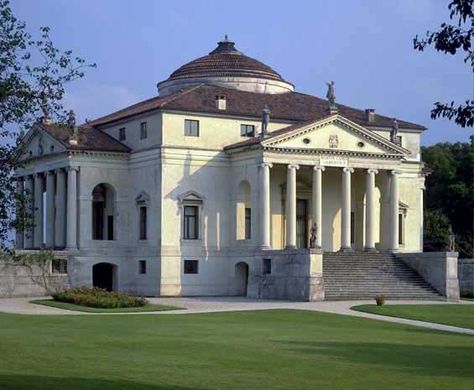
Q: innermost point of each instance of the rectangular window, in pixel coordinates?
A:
(191, 128)
(221, 102)
(143, 130)
(267, 266)
(122, 134)
(191, 220)
(191, 266)
(142, 267)
(400, 229)
(247, 130)
(143, 223)
(59, 266)
(248, 223)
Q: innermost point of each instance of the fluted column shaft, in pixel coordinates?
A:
(346, 209)
(38, 214)
(291, 206)
(264, 205)
(71, 231)
(317, 200)
(370, 210)
(394, 211)
(50, 190)
(60, 217)
(20, 242)
(29, 212)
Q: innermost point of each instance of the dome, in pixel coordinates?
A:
(227, 67)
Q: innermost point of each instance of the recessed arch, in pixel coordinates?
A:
(242, 278)
(103, 212)
(243, 210)
(104, 275)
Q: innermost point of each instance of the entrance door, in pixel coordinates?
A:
(242, 274)
(103, 276)
(301, 223)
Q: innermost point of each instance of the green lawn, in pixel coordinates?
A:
(278, 349)
(71, 306)
(455, 315)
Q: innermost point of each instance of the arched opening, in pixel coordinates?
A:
(103, 212)
(104, 276)
(244, 211)
(242, 278)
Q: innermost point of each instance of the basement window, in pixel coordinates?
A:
(191, 266)
(267, 266)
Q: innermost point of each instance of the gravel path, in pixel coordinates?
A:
(223, 304)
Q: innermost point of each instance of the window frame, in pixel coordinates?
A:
(142, 267)
(247, 223)
(143, 130)
(266, 266)
(142, 225)
(59, 266)
(246, 133)
(188, 131)
(186, 222)
(194, 270)
(122, 134)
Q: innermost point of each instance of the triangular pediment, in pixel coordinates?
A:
(38, 143)
(335, 134)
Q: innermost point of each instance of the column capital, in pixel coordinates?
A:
(395, 172)
(38, 174)
(265, 165)
(371, 170)
(293, 166)
(350, 170)
(59, 170)
(68, 169)
(319, 168)
(50, 173)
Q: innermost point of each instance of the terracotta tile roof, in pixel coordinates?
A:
(89, 138)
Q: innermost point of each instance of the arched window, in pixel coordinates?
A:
(142, 201)
(191, 204)
(103, 212)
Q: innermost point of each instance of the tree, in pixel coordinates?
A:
(450, 194)
(452, 39)
(33, 73)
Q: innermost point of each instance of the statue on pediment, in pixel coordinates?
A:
(314, 235)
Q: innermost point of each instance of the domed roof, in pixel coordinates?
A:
(225, 65)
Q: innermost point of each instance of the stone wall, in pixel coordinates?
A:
(440, 269)
(28, 281)
(295, 275)
(466, 277)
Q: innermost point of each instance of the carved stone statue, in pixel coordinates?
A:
(71, 119)
(452, 239)
(265, 119)
(46, 119)
(394, 132)
(314, 235)
(331, 96)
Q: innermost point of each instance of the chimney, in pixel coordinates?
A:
(370, 115)
(221, 102)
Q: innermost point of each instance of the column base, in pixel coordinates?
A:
(346, 249)
(371, 250)
(290, 247)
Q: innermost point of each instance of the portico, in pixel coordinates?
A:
(51, 202)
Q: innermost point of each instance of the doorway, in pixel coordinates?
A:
(301, 223)
(104, 275)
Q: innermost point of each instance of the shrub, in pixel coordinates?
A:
(96, 297)
(380, 300)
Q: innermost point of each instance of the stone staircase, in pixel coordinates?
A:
(363, 275)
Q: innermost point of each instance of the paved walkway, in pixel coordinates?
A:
(225, 304)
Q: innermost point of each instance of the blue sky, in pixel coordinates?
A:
(365, 46)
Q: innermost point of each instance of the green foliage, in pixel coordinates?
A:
(452, 39)
(33, 73)
(96, 297)
(449, 195)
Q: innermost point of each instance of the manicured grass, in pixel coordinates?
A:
(455, 315)
(71, 306)
(278, 349)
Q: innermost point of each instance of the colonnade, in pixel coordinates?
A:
(53, 226)
(317, 207)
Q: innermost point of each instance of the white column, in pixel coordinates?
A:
(60, 217)
(264, 205)
(50, 190)
(20, 242)
(291, 206)
(393, 211)
(29, 212)
(71, 230)
(346, 210)
(370, 210)
(317, 206)
(38, 212)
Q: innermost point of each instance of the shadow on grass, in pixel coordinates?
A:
(423, 360)
(27, 382)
